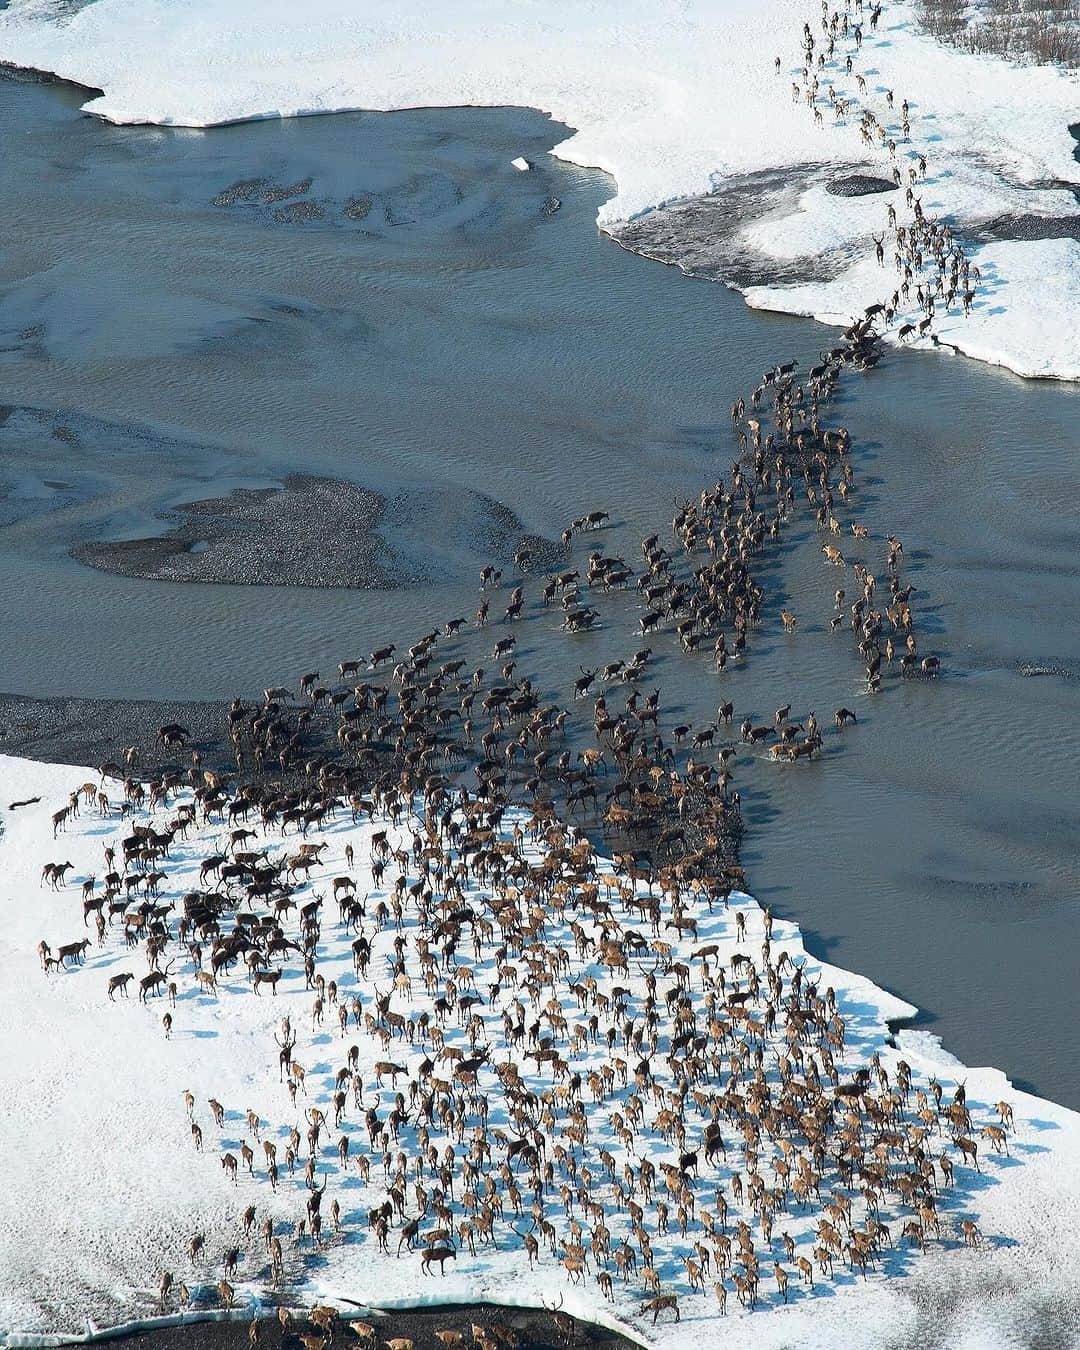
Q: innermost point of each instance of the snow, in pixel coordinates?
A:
(101, 1187)
(670, 97)
(1036, 283)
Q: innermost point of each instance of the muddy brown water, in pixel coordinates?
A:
(435, 332)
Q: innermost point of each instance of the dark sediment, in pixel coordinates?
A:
(261, 191)
(535, 1328)
(705, 236)
(28, 75)
(282, 194)
(300, 530)
(422, 197)
(321, 532)
(298, 213)
(243, 190)
(89, 731)
(1027, 228)
(308, 532)
(859, 185)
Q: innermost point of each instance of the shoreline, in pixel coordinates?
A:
(36, 75)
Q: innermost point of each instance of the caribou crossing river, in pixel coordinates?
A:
(181, 314)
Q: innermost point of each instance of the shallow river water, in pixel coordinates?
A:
(182, 314)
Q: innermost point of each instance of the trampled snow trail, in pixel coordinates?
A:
(672, 98)
(103, 1188)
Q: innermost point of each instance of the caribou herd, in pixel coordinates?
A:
(627, 1077)
(615, 1069)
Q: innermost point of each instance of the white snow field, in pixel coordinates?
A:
(671, 97)
(103, 1188)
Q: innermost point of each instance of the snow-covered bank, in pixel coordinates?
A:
(671, 98)
(103, 1189)
(1041, 338)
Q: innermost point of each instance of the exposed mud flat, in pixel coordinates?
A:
(321, 532)
(308, 532)
(1028, 227)
(65, 473)
(859, 185)
(93, 730)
